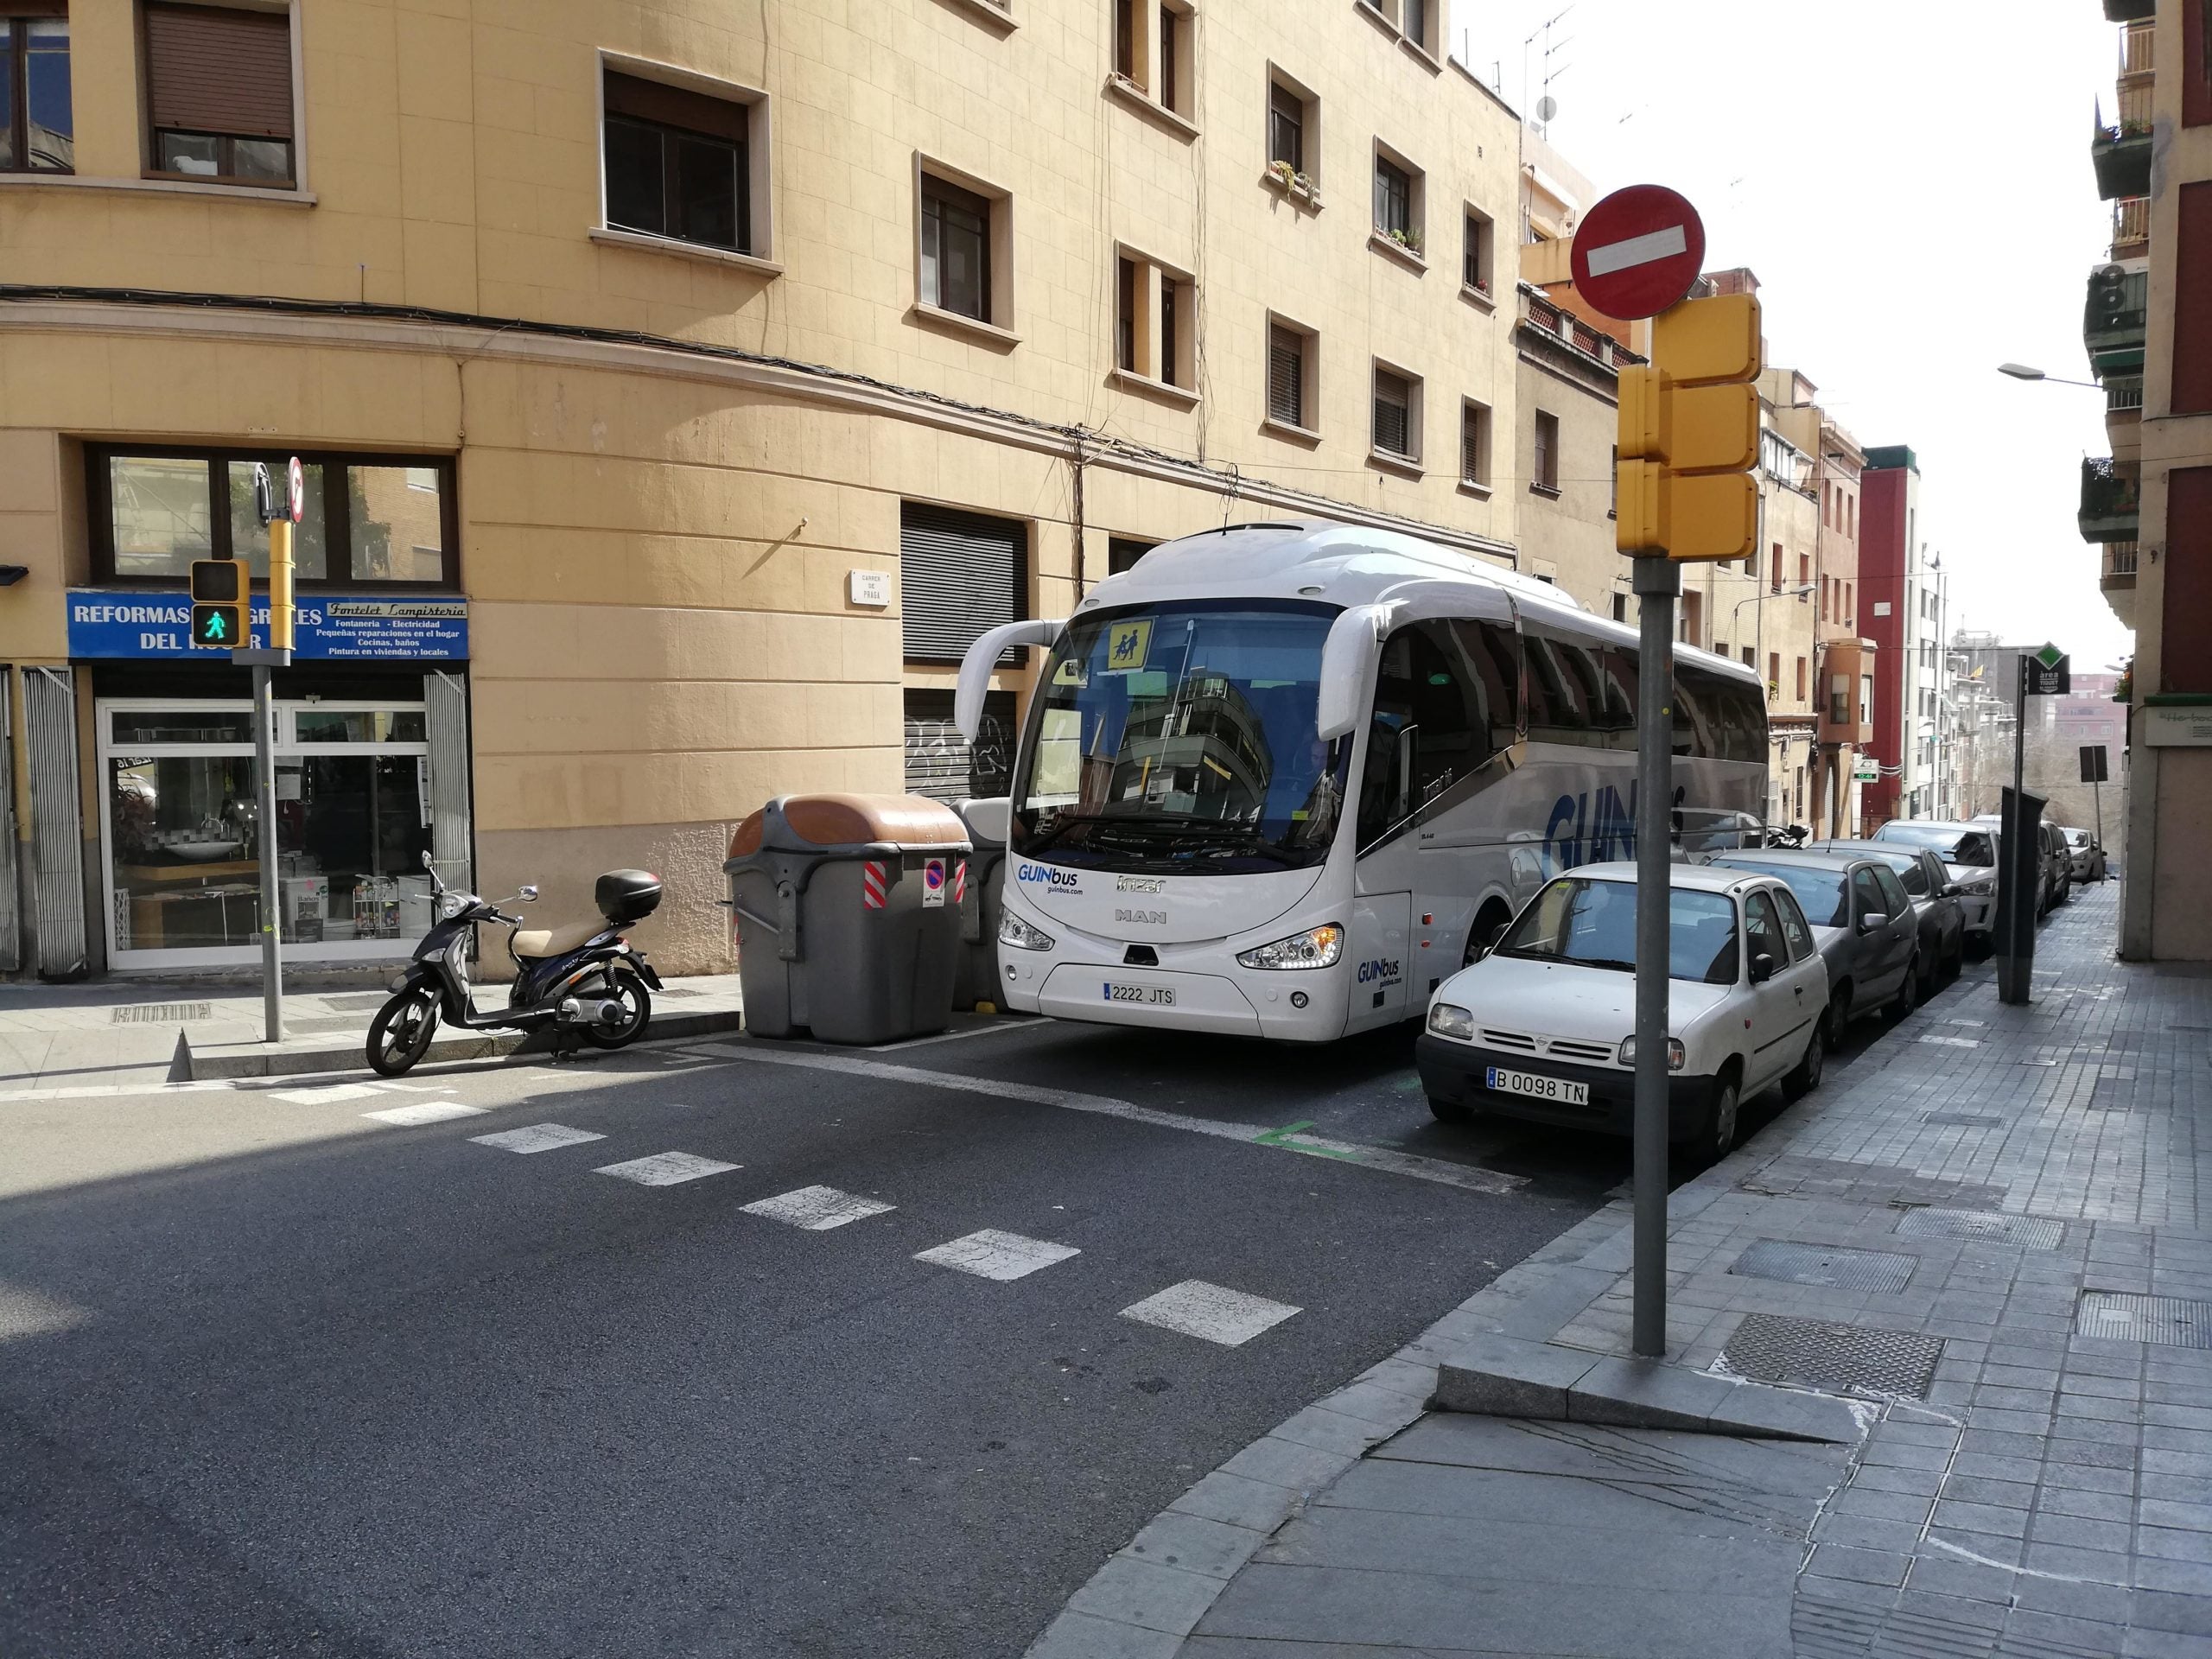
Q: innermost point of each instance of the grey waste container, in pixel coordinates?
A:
(978, 979)
(847, 915)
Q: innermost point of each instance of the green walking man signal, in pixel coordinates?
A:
(221, 599)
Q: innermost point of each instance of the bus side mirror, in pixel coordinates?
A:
(1344, 660)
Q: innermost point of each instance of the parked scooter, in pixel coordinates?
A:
(587, 982)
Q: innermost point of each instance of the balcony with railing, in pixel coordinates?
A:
(2113, 315)
(2124, 395)
(2110, 507)
(2125, 11)
(2138, 47)
(2118, 581)
(2130, 227)
(2120, 154)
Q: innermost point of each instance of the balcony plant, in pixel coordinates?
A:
(1409, 240)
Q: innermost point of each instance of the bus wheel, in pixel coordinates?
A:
(1490, 923)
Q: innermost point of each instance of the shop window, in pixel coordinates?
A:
(37, 127)
(218, 93)
(680, 163)
(368, 520)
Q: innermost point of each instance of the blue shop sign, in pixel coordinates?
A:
(327, 627)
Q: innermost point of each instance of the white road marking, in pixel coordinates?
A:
(1638, 251)
(325, 1094)
(426, 1111)
(1953, 1042)
(1212, 1312)
(666, 1169)
(957, 1036)
(1465, 1177)
(817, 1208)
(994, 1254)
(1965, 1022)
(537, 1137)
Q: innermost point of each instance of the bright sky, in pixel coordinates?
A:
(1910, 180)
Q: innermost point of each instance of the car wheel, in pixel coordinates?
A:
(1449, 1111)
(1721, 1120)
(1805, 1077)
(1903, 1002)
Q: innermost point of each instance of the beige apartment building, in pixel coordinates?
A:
(2148, 506)
(680, 387)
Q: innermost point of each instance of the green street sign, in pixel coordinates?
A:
(2050, 656)
(2047, 673)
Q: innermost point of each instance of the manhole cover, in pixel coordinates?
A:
(2124, 1317)
(1839, 1358)
(2034, 1232)
(160, 1013)
(1824, 1264)
(1963, 1120)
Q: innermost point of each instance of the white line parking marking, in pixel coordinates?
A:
(1953, 1042)
(1467, 1177)
(817, 1208)
(1638, 251)
(327, 1095)
(537, 1137)
(994, 1254)
(425, 1111)
(1211, 1313)
(665, 1169)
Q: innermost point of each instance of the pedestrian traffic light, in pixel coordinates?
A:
(221, 599)
(1689, 435)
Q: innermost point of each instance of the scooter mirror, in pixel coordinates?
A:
(528, 895)
(426, 861)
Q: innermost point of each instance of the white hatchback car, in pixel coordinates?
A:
(1541, 1026)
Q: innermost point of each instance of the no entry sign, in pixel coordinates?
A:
(1638, 252)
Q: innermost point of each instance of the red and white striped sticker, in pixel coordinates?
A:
(960, 882)
(872, 886)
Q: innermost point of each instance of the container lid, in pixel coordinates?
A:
(800, 822)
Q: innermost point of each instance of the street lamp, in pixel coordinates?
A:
(2022, 371)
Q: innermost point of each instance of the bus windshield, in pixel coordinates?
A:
(1180, 739)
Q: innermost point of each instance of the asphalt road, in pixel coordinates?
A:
(280, 1378)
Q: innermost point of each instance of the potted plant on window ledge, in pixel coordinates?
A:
(1409, 240)
(1289, 178)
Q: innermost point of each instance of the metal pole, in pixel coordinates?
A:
(264, 764)
(1657, 580)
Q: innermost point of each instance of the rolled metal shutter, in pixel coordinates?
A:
(1286, 377)
(960, 576)
(445, 700)
(942, 765)
(12, 907)
(219, 69)
(57, 823)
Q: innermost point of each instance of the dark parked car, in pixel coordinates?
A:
(1969, 853)
(1862, 919)
(1935, 897)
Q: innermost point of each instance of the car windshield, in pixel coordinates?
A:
(1824, 894)
(1181, 739)
(1591, 924)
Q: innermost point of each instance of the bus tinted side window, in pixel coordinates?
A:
(1492, 651)
(1565, 705)
(1741, 726)
(1616, 677)
(1437, 720)
(1696, 708)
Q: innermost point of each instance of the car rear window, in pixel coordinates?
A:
(1821, 892)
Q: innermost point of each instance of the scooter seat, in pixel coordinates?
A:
(537, 944)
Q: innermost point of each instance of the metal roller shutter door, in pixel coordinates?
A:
(961, 574)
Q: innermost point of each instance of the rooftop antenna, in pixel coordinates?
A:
(1544, 31)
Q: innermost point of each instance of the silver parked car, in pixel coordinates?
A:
(1935, 901)
(1968, 852)
(2086, 854)
(1863, 921)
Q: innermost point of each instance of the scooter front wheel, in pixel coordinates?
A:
(628, 988)
(401, 1033)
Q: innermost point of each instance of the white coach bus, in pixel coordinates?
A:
(1280, 779)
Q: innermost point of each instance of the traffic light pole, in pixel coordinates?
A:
(1657, 581)
(264, 767)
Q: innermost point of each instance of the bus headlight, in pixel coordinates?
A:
(1449, 1019)
(1317, 947)
(1676, 1057)
(1018, 933)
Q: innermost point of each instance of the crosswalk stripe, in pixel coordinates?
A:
(666, 1168)
(1212, 1312)
(817, 1208)
(991, 1254)
(425, 1111)
(537, 1137)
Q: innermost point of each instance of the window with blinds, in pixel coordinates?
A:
(1287, 394)
(1286, 126)
(960, 576)
(1474, 444)
(218, 93)
(1543, 475)
(1394, 401)
(1393, 198)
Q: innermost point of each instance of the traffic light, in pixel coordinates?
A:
(1689, 435)
(221, 599)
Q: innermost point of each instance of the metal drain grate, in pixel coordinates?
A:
(2035, 1232)
(1824, 1264)
(159, 1014)
(1963, 1120)
(1838, 1358)
(2124, 1317)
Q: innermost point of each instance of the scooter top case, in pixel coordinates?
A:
(626, 896)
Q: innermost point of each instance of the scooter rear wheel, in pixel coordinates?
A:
(400, 1034)
(636, 999)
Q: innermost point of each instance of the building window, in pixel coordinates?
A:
(1751, 661)
(1397, 415)
(678, 163)
(37, 128)
(1125, 314)
(1804, 570)
(1122, 553)
(154, 509)
(1839, 699)
(957, 251)
(1620, 607)
(1543, 470)
(1775, 584)
(218, 93)
(1475, 251)
(1693, 619)
(1172, 37)
(1288, 111)
(1801, 679)
(1152, 50)
(1154, 318)
(1774, 674)
(1293, 376)
(1397, 204)
(1474, 443)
